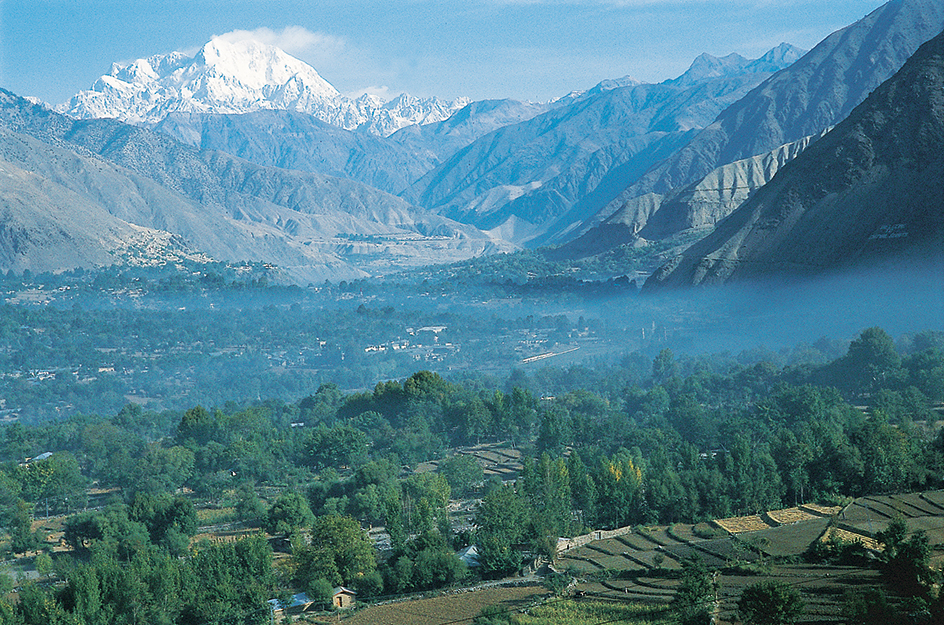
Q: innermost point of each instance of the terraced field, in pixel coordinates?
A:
(632, 566)
(455, 608)
(784, 540)
(495, 459)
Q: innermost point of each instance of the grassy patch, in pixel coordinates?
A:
(215, 516)
(567, 612)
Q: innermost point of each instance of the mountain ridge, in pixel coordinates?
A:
(814, 93)
(231, 209)
(243, 76)
(871, 189)
(535, 173)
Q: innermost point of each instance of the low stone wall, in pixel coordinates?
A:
(566, 544)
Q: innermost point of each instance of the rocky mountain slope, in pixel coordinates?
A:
(811, 95)
(313, 226)
(871, 189)
(46, 224)
(227, 77)
(294, 140)
(531, 182)
(690, 211)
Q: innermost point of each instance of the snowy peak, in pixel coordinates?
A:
(149, 69)
(243, 76)
(257, 66)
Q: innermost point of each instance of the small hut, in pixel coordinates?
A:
(342, 597)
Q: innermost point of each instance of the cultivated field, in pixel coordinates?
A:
(496, 459)
(635, 566)
(457, 608)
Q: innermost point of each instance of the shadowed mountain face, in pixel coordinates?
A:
(310, 225)
(872, 189)
(811, 95)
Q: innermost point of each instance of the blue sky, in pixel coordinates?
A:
(523, 49)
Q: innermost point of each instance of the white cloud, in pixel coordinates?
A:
(340, 63)
(383, 92)
(313, 47)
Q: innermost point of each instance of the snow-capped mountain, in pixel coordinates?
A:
(229, 77)
(82, 193)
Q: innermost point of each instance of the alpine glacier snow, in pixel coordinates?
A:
(241, 77)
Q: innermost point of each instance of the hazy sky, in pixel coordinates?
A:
(523, 49)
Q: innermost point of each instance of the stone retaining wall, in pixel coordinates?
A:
(566, 544)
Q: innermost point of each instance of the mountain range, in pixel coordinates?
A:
(532, 182)
(872, 189)
(294, 140)
(242, 152)
(314, 227)
(243, 76)
(813, 94)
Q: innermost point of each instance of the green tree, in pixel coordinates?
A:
(22, 538)
(906, 560)
(770, 603)
(871, 361)
(664, 366)
(340, 552)
(110, 532)
(583, 489)
(501, 519)
(869, 607)
(161, 513)
(322, 406)
(555, 430)
(435, 566)
(696, 593)
(198, 425)
(36, 606)
(339, 445)
(249, 508)
(289, 513)
(427, 386)
(425, 501)
(619, 484)
(546, 484)
(320, 592)
(519, 415)
(44, 564)
(56, 477)
(162, 469)
(233, 582)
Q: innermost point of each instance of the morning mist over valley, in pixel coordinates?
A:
(493, 312)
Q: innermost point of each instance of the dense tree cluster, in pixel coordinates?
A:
(216, 583)
(651, 439)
